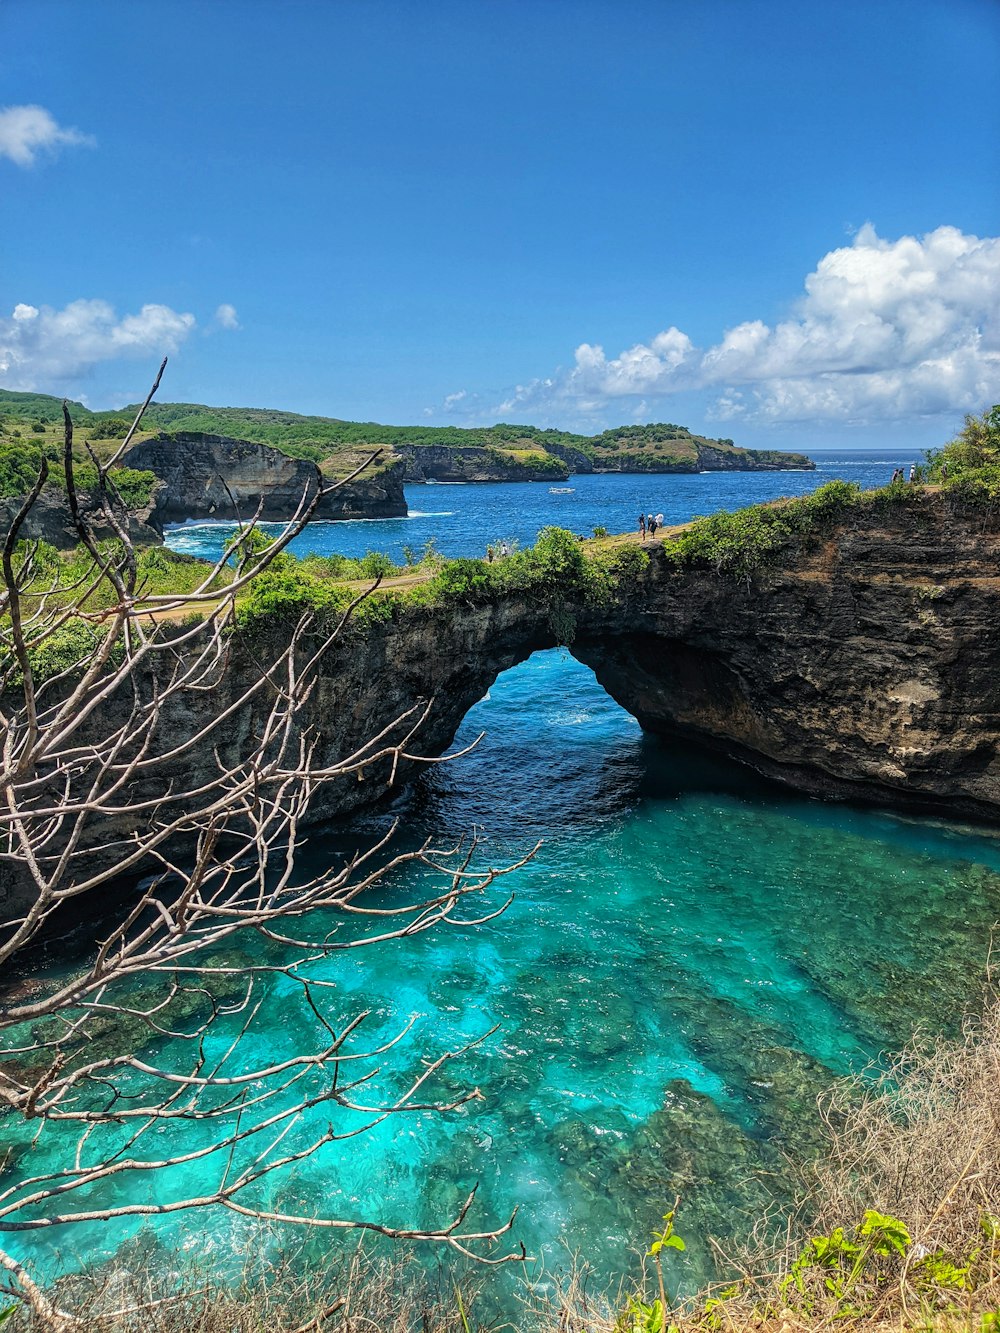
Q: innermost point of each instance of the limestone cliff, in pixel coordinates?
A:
(445, 462)
(50, 520)
(449, 462)
(213, 476)
(864, 666)
(695, 455)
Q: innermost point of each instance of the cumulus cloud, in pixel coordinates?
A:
(42, 347)
(226, 317)
(29, 131)
(885, 329)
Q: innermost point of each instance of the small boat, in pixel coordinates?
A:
(562, 490)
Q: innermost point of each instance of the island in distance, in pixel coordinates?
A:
(265, 456)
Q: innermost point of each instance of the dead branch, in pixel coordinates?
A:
(120, 766)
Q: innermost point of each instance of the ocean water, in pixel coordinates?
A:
(690, 957)
(463, 518)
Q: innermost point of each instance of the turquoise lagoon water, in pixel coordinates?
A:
(690, 958)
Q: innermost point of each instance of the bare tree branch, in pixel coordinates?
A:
(118, 766)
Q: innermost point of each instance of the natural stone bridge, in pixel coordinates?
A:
(864, 666)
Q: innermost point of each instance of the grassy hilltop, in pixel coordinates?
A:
(34, 419)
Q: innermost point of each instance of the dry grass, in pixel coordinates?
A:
(359, 1293)
(920, 1143)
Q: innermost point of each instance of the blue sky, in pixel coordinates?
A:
(772, 221)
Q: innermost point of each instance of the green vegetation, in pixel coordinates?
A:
(134, 487)
(59, 575)
(648, 448)
(969, 465)
(39, 407)
(663, 445)
(315, 437)
(24, 443)
(738, 543)
(557, 569)
(535, 460)
(19, 465)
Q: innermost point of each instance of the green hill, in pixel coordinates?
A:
(659, 447)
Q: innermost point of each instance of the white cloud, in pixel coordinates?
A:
(886, 329)
(27, 131)
(226, 317)
(43, 347)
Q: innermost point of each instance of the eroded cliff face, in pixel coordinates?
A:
(50, 520)
(212, 476)
(445, 462)
(865, 664)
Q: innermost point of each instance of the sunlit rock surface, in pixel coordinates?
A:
(212, 476)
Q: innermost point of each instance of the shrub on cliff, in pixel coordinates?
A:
(286, 590)
(969, 465)
(18, 469)
(19, 464)
(135, 487)
(738, 543)
(471, 582)
(558, 567)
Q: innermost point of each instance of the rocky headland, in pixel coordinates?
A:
(214, 476)
(445, 462)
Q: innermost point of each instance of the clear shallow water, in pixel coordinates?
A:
(691, 957)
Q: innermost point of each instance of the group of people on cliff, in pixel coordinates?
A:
(648, 523)
(917, 474)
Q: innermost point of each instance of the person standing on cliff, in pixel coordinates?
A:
(913, 472)
(642, 527)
